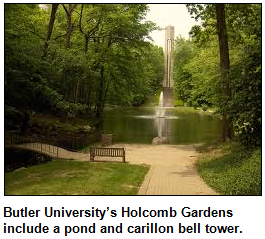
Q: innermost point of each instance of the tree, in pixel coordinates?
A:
(88, 31)
(184, 52)
(245, 72)
(237, 91)
(69, 13)
(114, 34)
(224, 64)
(50, 28)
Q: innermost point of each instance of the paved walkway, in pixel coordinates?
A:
(172, 169)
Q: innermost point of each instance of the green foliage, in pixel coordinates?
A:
(204, 107)
(107, 60)
(234, 170)
(196, 71)
(178, 103)
(198, 79)
(12, 117)
(183, 54)
(245, 74)
(135, 75)
(26, 73)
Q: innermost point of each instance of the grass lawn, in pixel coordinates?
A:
(63, 177)
(231, 169)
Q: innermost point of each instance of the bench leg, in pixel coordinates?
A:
(123, 158)
(92, 158)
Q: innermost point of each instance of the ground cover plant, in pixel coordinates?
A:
(231, 169)
(65, 177)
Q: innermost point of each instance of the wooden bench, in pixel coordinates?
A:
(108, 152)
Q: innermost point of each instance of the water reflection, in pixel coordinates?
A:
(140, 125)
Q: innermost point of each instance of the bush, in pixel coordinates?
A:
(205, 107)
(138, 100)
(178, 103)
(195, 105)
(189, 103)
(12, 118)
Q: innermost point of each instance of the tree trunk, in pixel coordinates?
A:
(88, 98)
(69, 31)
(100, 100)
(77, 90)
(50, 28)
(88, 35)
(69, 13)
(86, 44)
(224, 65)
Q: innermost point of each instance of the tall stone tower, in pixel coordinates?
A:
(168, 81)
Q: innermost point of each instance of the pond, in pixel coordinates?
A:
(141, 125)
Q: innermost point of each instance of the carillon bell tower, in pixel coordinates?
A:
(168, 82)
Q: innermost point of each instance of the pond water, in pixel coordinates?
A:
(141, 125)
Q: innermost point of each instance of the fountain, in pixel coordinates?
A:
(160, 122)
(160, 113)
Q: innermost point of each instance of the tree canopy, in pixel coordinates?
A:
(197, 70)
(75, 58)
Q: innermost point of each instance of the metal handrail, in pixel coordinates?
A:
(44, 144)
(50, 145)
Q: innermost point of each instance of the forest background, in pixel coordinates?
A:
(74, 59)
